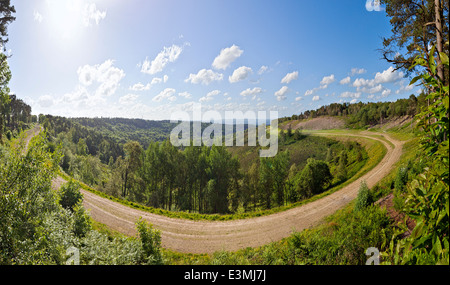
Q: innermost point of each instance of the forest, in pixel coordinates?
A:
(202, 179)
(132, 160)
(363, 115)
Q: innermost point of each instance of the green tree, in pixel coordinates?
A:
(416, 26)
(6, 17)
(70, 194)
(313, 179)
(280, 164)
(26, 197)
(266, 181)
(150, 241)
(427, 197)
(291, 194)
(222, 168)
(341, 171)
(132, 162)
(364, 198)
(5, 77)
(82, 148)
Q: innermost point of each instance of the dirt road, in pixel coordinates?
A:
(209, 236)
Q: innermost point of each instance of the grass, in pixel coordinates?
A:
(341, 239)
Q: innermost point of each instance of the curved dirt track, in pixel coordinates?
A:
(209, 236)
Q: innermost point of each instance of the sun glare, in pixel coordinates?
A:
(65, 19)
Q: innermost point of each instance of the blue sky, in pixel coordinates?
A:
(147, 59)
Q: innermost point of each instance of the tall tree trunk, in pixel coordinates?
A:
(439, 39)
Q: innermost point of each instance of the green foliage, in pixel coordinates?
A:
(82, 220)
(343, 239)
(25, 198)
(364, 198)
(341, 172)
(427, 197)
(361, 115)
(400, 187)
(151, 242)
(314, 178)
(123, 130)
(70, 195)
(36, 229)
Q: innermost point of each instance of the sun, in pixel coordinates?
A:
(66, 20)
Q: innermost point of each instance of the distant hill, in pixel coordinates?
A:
(123, 130)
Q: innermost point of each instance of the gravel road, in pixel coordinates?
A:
(188, 236)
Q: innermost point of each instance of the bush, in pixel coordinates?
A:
(364, 198)
(150, 241)
(343, 240)
(82, 220)
(70, 195)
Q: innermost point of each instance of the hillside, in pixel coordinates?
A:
(320, 123)
(123, 130)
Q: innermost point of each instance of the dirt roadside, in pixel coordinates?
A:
(209, 236)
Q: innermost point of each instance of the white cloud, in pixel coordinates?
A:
(204, 77)
(165, 94)
(106, 74)
(209, 96)
(310, 92)
(240, 74)
(226, 57)
(37, 16)
(168, 54)
(389, 75)
(250, 92)
(386, 93)
(348, 94)
(262, 69)
(128, 99)
(404, 88)
(316, 98)
(185, 94)
(314, 90)
(281, 94)
(91, 13)
(45, 101)
(358, 71)
(157, 80)
(87, 74)
(290, 77)
(140, 87)
(360, 82)
(376, 89)
(374, 5)
(327, 80)
(79, 95)
(346, 80)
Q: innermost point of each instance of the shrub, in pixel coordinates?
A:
(151, 242)
(364, 198)
(82, 220)
(70, 194)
